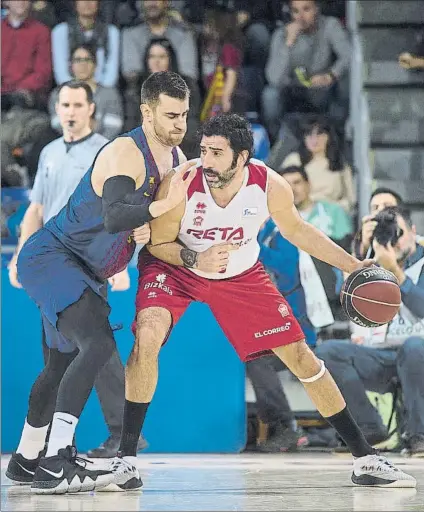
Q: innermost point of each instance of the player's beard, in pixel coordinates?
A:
(165, 137)
(224, 177)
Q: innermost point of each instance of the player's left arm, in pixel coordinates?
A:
(302, 234)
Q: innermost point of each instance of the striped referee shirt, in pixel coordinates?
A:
(60, 168)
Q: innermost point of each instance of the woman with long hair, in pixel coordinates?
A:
(320, 154)
(221, 55)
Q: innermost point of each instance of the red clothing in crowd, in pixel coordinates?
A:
(231, 58)
(26, 62)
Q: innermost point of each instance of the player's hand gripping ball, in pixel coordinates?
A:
(371, 296)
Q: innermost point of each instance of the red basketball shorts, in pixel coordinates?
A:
(250, 310)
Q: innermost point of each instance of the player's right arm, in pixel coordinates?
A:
(32, 222)
(164, 245)
(118, 172)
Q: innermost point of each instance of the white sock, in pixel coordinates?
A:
(62, 432)
(32, 441)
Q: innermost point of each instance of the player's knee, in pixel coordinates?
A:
(153, 326)
(300, 359)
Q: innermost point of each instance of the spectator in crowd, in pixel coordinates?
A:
(328, 217)
(414, 60)
(380, 199)
(108, 118)
(26, 74)
(158, 23)
(330, 177)
(377, 356)
(307, 66)
(86, 26)
(26, 67)
(221, 54)
(44, 12)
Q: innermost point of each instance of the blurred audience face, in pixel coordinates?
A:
(300, 187)
(74, 111)
(406, 244)
(168, 118)
(83, 66)
(154, 10)
(87, 8)
(158, 59)
(18, 9)
(316, 141)
(381, 201)
(304, 13)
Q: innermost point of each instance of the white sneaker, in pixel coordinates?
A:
(377, 471)
(126, 475)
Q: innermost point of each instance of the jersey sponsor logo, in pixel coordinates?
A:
(152, 295)
(275, 330)
(250, 212)
(197, 221)
(200, 208)
(283, 310)
(160, 279)
(225, 234)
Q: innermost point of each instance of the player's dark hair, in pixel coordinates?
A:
(385, 190)
(164, 82)
(78, 84)
(291, 169)
(235, 129)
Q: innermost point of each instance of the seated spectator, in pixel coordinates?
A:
(157, 23)
(109, 117)
(85, 27)
(416, 59)
(377, 356)
(328, 217)
(26, 73)
(307, 67)
(44, 12)
(26, 67)
(221, 54)
(330, 177)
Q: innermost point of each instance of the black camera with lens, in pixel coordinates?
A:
(387, 230)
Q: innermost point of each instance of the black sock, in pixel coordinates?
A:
(134, 414)
(348, 430)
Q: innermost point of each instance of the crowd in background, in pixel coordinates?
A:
(283, 64)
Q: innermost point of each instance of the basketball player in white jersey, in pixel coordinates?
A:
(218, 223)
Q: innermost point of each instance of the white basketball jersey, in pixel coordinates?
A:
(206, 224)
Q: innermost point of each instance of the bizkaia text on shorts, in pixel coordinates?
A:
(160, 280)
(275, 330)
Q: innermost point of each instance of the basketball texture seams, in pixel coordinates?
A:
(371, 296)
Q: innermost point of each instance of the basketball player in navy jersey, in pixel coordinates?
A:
(64, 265)
(218, 223)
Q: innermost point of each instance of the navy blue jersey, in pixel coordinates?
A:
(79, 225)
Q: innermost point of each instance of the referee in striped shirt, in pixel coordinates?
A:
(61, 166)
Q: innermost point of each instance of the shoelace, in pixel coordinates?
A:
(79, 460)
(384, 462)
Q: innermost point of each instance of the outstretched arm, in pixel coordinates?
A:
(302, 234)
(118, 172)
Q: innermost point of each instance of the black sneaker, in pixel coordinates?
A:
(66, 472)
(110, 447)
(21, 470)
(284, 439)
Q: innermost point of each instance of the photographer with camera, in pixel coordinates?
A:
(375, 357)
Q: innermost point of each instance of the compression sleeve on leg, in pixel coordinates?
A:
(120, 213)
